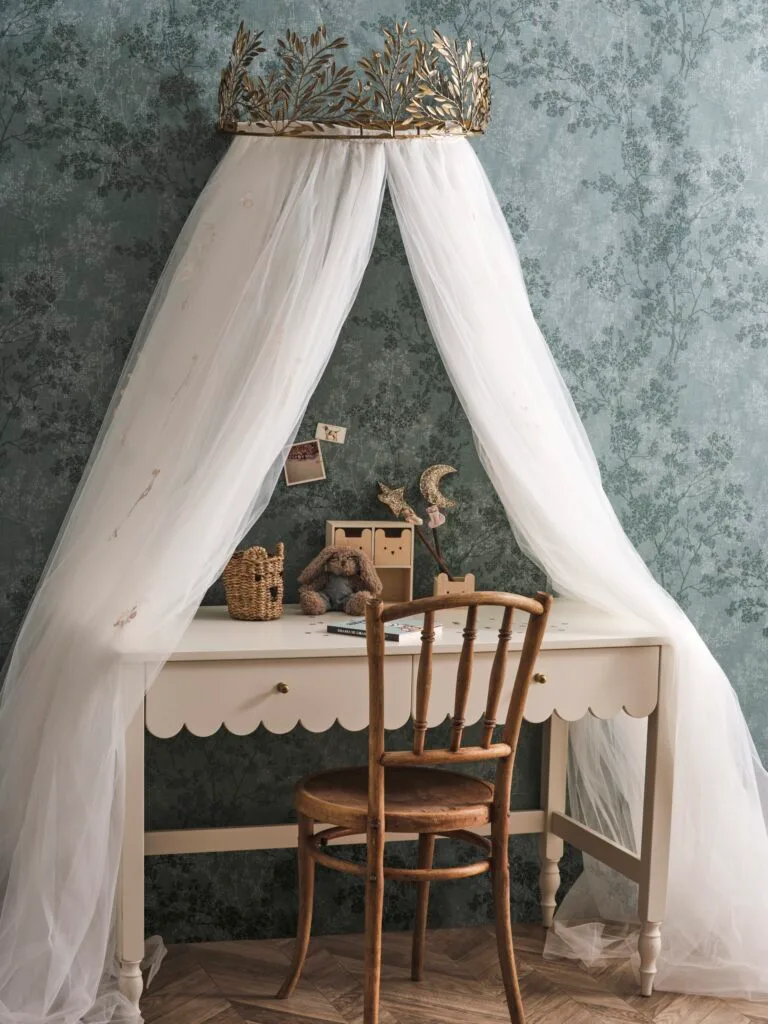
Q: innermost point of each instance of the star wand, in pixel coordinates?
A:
(394, 499)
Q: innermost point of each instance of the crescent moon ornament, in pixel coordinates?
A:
(430, 485)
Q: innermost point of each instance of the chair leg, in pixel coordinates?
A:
(306, 899)
(503, 916)
(426, 853)
(374, 913)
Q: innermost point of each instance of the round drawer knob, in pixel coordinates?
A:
(282, 687)
(539, 677)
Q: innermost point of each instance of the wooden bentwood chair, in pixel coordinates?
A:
(404, 791)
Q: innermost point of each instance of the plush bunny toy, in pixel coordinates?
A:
(339, 579)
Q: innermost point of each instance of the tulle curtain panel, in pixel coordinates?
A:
(237, 335)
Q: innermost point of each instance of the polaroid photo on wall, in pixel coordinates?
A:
(304, 464)
(327, 432)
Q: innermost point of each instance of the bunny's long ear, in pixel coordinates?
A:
(316, 566)
(368, 573)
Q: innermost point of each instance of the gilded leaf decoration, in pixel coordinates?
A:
(309, 85)
(408, 86)
(388, 79)
(455, 89)
(234, 77)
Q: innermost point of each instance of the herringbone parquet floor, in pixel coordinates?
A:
(235, 982)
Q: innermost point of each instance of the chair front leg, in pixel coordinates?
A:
(374, 912)
(503, 917)
(426, 853)
(306, 900)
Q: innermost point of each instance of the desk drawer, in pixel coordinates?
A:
(204, 695)
(603, 680)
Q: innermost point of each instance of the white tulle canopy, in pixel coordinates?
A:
(237, 335)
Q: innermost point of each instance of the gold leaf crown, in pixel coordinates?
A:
(409, 87)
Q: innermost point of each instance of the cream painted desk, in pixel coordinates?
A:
(241, 674)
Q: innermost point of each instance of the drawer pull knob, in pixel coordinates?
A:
(539, 677)
(282, 687)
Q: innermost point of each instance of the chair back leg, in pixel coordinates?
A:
(503, 917)
(306, 901)
(426, 854)
(374, 913)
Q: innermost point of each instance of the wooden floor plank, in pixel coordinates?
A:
(197, 1010)
(236, 982)
(249, 974)
(228, 1016)
(167, 994)
(753, 1011)
(726, 1014)
(340, 986)
(589, 991)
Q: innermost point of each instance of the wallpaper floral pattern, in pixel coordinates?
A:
(628, 147)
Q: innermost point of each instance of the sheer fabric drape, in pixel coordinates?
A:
(537, 455)
(238, 333)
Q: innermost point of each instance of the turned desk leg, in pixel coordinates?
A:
(657, 822)
(130, 894)
(553, 784)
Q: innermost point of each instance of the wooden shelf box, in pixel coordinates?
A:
(388, 542)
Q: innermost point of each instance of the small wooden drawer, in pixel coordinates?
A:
(392, 546)
(603, 681)
(241, 694)
(360, 539)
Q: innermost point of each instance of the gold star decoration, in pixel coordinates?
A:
(394, 499)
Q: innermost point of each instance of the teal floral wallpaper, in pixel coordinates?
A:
(628, 148)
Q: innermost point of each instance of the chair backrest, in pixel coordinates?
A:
(377, 615)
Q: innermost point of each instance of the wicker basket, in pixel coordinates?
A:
(253, 581)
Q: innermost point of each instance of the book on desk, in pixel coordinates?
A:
(403, 631)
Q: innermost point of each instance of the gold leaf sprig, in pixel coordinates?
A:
(389, 77)
(309, 86)
(234, 77)
(460, 94)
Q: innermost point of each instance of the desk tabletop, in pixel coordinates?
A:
(214, 636)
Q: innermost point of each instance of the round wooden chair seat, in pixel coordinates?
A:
(416, 799)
